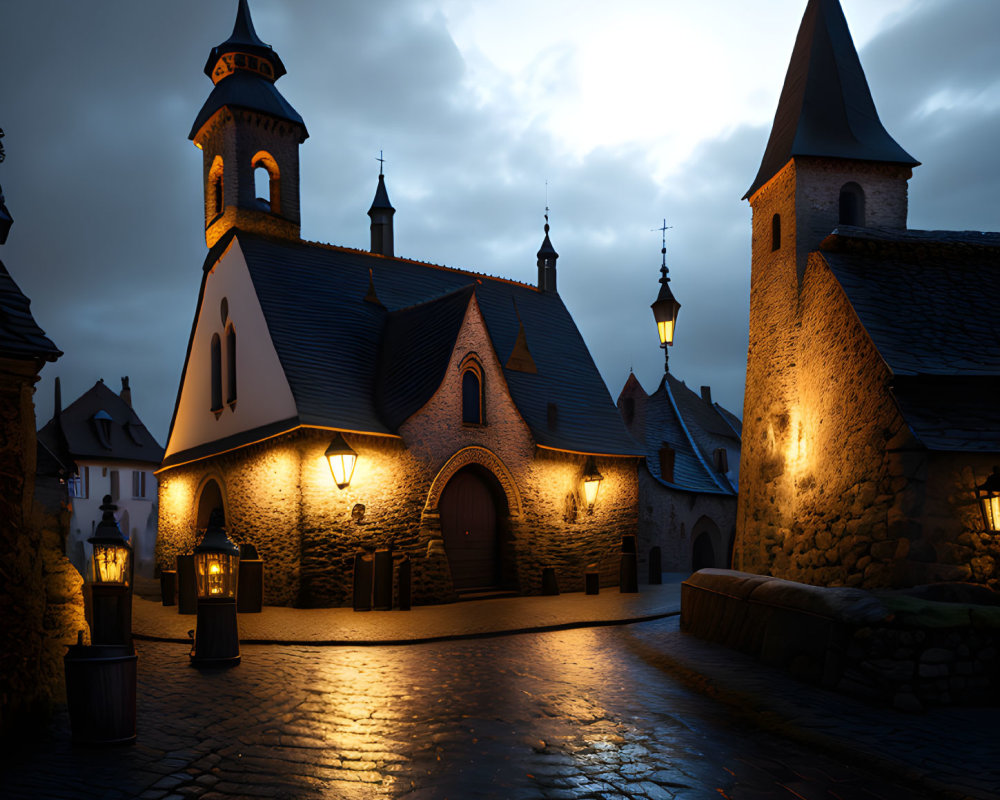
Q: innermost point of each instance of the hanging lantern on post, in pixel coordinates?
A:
(665, 307)
(216, 569)
(110, 585)
(342, 459)
(988, 494)
(591, 483)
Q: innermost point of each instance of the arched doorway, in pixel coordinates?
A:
(210, 499)
(706, 544)
(470, 513)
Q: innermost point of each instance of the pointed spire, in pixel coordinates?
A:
(381, 213)
(371, 297)
(245, 42)
(243, 31)
(826, 108)
(547, 256)
(520, 359)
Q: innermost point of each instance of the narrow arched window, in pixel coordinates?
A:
(776, 232)
(231, 365)
(267, 181)
(852, 204)
(216, 198)
(666, 463)
(216, 374)
(472, 396)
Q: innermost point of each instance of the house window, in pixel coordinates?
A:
(216, 374)
(852, 204)
(115, 486)
(231, 365)
(721, 459)
(139, 484)
(79, 484)
(776, 232)
(667, 463)
(472, 394)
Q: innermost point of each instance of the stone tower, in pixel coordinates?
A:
(828, 162)
(250, 137)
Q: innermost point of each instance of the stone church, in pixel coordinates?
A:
(870, 418)
(483, 441)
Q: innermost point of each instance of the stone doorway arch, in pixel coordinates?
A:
(209, 498)
(706, 544)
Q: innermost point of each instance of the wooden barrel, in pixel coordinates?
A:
(100, 693)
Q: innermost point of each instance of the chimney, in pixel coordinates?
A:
(126, 392)
(706, 394)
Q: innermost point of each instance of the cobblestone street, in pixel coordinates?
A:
(587, 713)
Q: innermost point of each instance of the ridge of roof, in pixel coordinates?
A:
(850, 238)
(668, 381)
(826, 108)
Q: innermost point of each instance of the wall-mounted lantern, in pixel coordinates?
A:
(591, 483)
(216, 570)
(665, 307)
(342, 460)
(988, 494)
(110, 586)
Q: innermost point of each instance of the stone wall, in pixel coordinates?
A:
(280, 496)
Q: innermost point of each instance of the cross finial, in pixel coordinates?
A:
(546, 206)
(380, 161)
(663, 246)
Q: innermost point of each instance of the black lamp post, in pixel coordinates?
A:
(110, 585)
(665, 307)
(988, 494)
(216, 568)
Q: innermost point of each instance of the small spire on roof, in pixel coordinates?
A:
(371, 297)
(547, 256)
(243, 30)
(381, 213)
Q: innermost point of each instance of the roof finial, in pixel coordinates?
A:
(380, 161)
(663, 249)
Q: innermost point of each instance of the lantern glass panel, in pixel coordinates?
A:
(342, 467)
(991, 510)
(111, 563)
(215, 575)
(666, 331)
(590, 487)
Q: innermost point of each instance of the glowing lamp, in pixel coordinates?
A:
(665, 313)
(988, 494)
(342, 460)
(112, 555)
(216, 562)
(591, 483)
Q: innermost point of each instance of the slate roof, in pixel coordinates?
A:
(357, 366)
(20, 336)
(930, 302)
(244, 39)
(73, 434)
(244, 89)
(693, 428)
(826, 108)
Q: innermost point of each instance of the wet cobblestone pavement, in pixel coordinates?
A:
(587, 713)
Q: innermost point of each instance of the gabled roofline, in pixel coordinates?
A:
(694, 445)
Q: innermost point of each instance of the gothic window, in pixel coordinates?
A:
(230, 364)
(852, 204)
(216, 377)
(776, 232)
(472, 393)
(267, 182)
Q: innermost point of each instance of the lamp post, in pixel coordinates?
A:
(988, 494)
(665, 307)
(591, 483)
(342, 459)
(110, 585)
(216, 569)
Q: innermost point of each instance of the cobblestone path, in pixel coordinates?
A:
(576, 714)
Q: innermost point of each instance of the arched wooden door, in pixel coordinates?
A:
(469, 528)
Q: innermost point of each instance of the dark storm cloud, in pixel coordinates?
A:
(106, 189)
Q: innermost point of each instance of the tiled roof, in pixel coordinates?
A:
(246, 90)
(327, 338)
(74, 435)
(20, 336)
(826, 108)
(694, 429)
(953, 414)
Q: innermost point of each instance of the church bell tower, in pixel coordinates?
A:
(249, 136)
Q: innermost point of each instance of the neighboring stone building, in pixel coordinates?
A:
(41, 605)
(874, 356)
(98, 446)
(471, 402)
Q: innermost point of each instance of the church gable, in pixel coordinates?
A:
(233, 381)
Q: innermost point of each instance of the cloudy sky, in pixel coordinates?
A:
(629, 112)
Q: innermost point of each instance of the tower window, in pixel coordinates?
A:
(266, 182)
(216, 374)
(216, 199)
(472, 394)
(776, 232)
(852, 204)
(231, 365)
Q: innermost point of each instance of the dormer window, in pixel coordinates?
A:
(102, 426)
(721, 459)
(472, 392)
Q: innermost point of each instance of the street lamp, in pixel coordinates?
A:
(665, 307)
(591, 483)
(988, 494)
(342, 460)
(110, 581)
(216, 569)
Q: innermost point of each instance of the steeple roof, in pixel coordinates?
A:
(244, 39)
(381, 200)
(826, 108)
(547, 249)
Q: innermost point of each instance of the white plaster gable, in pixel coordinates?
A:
(263, 393)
